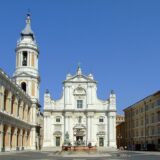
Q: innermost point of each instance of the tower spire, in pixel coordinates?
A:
(28, 18)
(79, 71)
(27, 31)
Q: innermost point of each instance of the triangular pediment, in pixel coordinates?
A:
(23, 74)
(80, 78)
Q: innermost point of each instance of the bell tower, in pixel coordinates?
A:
(26, 74)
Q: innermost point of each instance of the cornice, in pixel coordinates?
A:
(8, 119)
(82, 110)
(25, 47)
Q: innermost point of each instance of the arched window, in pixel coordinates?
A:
(24, 86)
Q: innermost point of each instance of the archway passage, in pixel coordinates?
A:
(24, 86)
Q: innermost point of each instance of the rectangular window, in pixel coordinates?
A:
(24, 61)
(58, 119)
(101, 119)
(79, 103)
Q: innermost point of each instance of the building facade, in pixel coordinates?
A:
(79, 115)
(120, 131)
(19, 97)
(120, 135)
(119, 119)
(142, 124)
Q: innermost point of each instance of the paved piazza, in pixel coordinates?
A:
(123, 155)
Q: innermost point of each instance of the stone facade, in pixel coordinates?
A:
(119, 119)
(142, 124)
(120, 135)
(79, 115)
(16, 125)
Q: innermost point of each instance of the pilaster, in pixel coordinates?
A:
(89, 126)
(112, 129)
(33, 138)
(14, 139)
(1, 136)
(20, 139)
(21, 110)
(9, 102)
(1, 98)
(15, 107)
(8, 139)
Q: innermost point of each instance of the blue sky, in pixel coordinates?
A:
(118, 41)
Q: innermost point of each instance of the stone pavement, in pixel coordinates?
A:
(84, 154)
(68, 155)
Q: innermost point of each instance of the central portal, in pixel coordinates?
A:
(79, 135)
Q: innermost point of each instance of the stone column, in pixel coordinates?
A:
(66, 95)
(23, 139)
(14, 139)
(28, 139)
(46, 139)
(18, 107)
(89, 99)
(21, 110)
(88, 129)
(1, 137)
(90, 126)
(112, 129)
(33, 138)
(20, 139)
(71, 129)
(26, 112)
(15, 107)
(66, 123)
(1, 98)
(33, 112)
(8, 138)
(106, 131)
(9, 102)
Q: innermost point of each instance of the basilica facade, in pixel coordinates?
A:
(79, 118)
